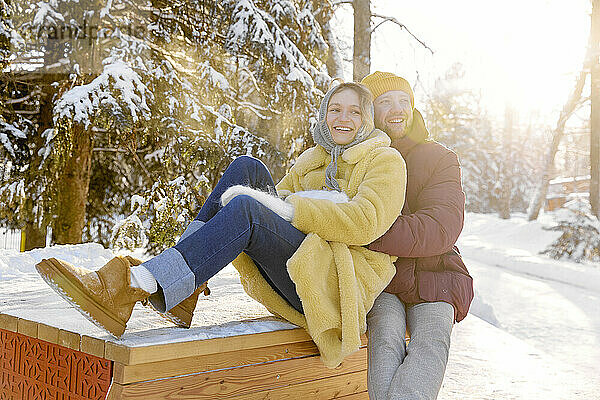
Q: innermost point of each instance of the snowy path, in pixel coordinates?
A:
(487, 363)
(552, 306)
(557, 318)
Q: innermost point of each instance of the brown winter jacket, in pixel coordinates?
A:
(429, 267)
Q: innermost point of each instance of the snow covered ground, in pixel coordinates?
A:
(24, 294)
(533, 332)
(551, 306)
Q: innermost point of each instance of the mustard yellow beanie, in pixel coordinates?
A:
(380, 82)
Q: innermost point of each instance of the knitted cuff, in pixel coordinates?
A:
(143, 279)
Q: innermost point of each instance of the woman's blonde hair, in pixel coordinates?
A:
(365, 101)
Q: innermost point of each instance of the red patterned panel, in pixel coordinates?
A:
(34, 369)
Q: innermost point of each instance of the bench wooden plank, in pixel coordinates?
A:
(326, 388)
(181, 366)
(115, 391)
(356, 396)
(68, 339)
(8, 322)
(92, 346)
(28, 328)
(146, 354)
(231, 383)
(48, 333)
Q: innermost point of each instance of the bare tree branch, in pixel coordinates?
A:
(401, 25)
(20, 100)
(253, 78)
(137, 159)
(340, 2)
(117, 150)
(256, 109)
(568, 109)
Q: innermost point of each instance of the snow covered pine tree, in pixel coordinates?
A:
(137, 100)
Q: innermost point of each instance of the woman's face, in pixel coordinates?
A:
(344, 116)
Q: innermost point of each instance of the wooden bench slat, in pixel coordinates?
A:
(170, 368)
(356, 396)
(92, 346)
(231, 383)
(28, 328)
(48, 333)
(145, 354)
(69, 339)
(8, 322)
(326, 388)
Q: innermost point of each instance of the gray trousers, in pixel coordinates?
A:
(416, 371)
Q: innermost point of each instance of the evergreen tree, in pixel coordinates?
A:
(580, 238)
(6, 29)
(172, 93)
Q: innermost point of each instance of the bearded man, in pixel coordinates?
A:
(432, 288)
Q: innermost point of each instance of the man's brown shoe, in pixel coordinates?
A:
(105, 297)
(182, 314)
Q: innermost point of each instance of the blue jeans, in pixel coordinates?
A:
(219, 234)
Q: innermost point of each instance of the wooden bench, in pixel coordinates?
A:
(282, 364)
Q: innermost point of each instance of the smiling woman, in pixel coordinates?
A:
(344, 116)
(349, 109)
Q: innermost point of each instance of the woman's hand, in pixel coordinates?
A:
(282, 208)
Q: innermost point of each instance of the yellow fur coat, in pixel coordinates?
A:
(336, 278)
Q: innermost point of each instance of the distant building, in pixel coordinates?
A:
(561, 190)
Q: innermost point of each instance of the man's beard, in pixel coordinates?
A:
(398, 130)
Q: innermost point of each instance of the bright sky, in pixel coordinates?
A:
(525, 52)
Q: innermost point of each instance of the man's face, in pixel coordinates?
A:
(393, 113)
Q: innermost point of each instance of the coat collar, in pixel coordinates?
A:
(317, 156)
(417, 134)
(355, 153)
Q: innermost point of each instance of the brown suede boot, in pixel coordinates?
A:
(105, 297)
(182, 314)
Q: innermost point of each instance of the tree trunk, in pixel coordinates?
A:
(35, 237)
(595, 110)
(361, 60)
(505, 196)
(34, 215)
(36, 222)
(73, 189)
(335, 66)
(540, 196)
(35, 230)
